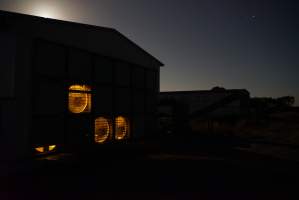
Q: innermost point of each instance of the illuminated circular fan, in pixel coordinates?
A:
(79, 101)
(121, 128)
(103, 129)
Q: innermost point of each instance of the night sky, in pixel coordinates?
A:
(250, 44)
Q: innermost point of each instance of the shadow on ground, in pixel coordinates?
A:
(165, 166)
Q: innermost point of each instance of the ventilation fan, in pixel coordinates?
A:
(121, 128)
(103, 130)
(79, 99)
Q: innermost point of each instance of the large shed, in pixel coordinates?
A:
(71, 84)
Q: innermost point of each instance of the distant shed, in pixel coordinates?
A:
(70, 84)
(213, 103)
(182, 111)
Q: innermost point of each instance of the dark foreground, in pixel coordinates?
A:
(178, 171)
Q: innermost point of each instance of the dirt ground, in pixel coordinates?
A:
(171, 171)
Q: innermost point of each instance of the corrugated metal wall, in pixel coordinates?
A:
(118, 89)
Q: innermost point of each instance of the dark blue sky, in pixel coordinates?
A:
(250, 44)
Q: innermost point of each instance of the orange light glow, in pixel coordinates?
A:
(121, 128)
(79, 99)
(45, 149)
(40, 149)
(103, 129)
(52, 147)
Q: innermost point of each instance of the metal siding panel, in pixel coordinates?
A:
(49, 98)
(48, 131)
(150, 80)
(139, 102)
(102, 102)
(51, 59)
(138, 78)
(80, 130)
(138, 126)
(103, 70)
(122, 74)
(80, 65)
(123, 100)
(151, 102)
(11, 142)
(7, 65)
